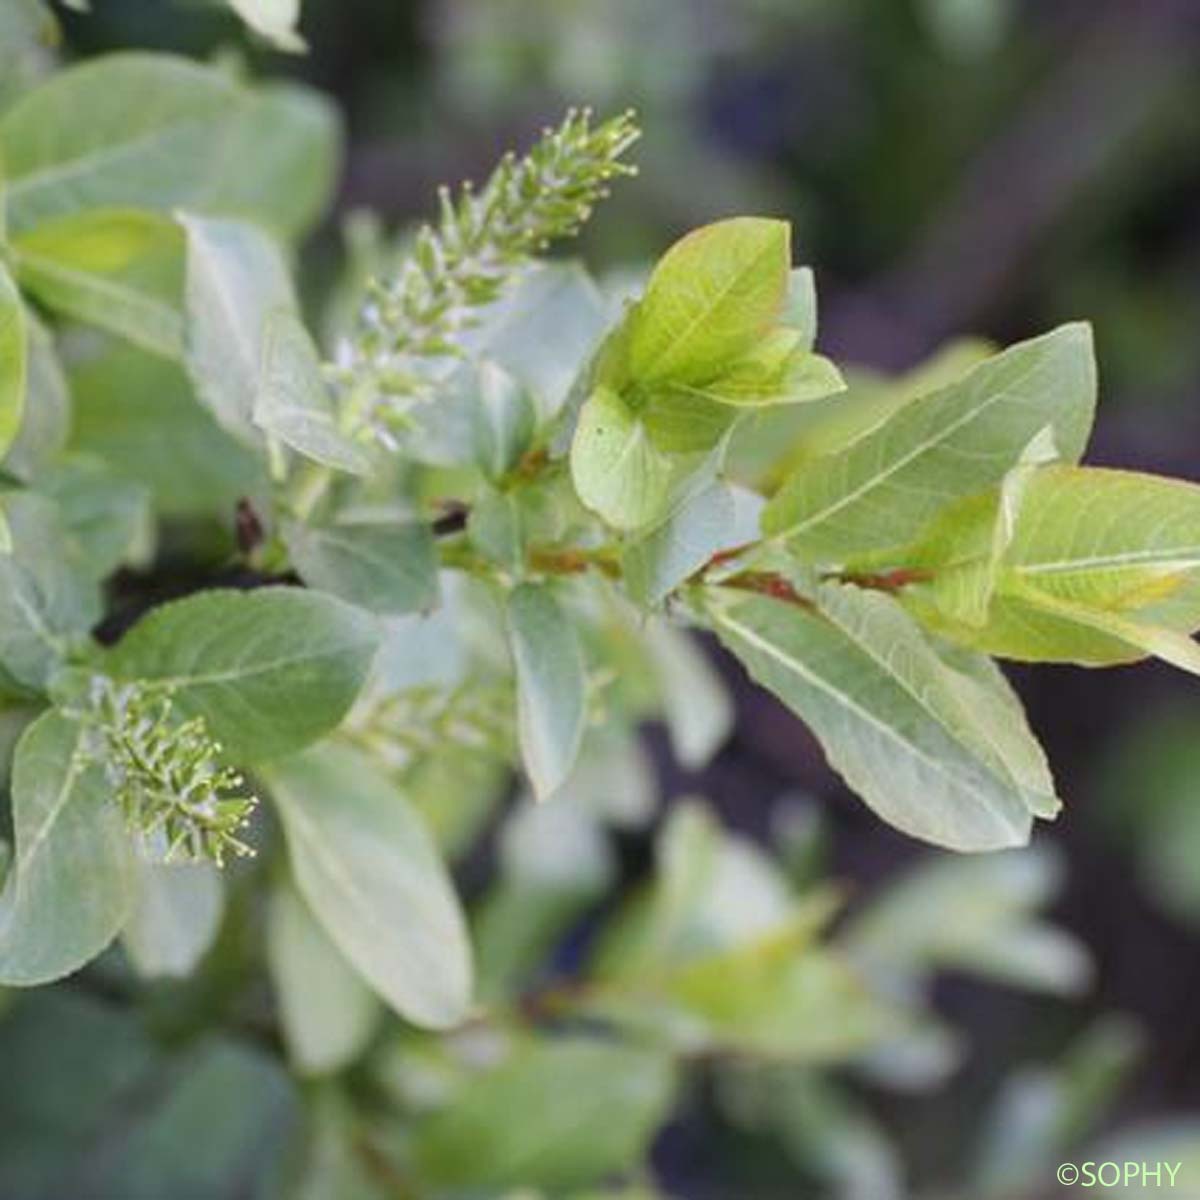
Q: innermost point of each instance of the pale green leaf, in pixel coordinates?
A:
(551, 685)
(881, 489)
(557, 1113)
(126, 130)
(286, 142)
(72, 879)
(896, 721)
(975, 914)
(1111, 539)
(47, 601)
(718, 517)
(368, 869)
(269, 670)
(175, 916)
(275, 20)
(13, 360)
(1090, 550)
(696, 707)
(123, 401)
(800, 307)
(326, 1009)
(121, 271)
(964, 546)
(616, 469)
(163, 133)
(106, 515)
(387, 567)
(291, 400)
(558, 295)
(504, 421)
(236, 282)
(710, 298)
(46, 420)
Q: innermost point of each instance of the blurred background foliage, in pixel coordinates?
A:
(952, 167)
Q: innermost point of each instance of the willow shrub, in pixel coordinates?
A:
(459, 526)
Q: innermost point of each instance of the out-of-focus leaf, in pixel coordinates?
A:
(554, 860)
(696, 706)
(119, 270)
(976, 915)
(368, 869)
(291, 401)
(823, 1129)
(327, 1011)
(386, 567)
(1042, 1112)
(47, 599)
(275, 20)
(237, 282)
(46, 420)
(161, 133)
(125, 399)
(551, 686)
(72, 881)
(105, 514)
(559, 1113)
(513, 334)
(13, 359)
(175, 916)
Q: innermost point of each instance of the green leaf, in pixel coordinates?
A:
(1109, 539)
(161, 133)
(554, 862)
(121, 271)
(385, 567)
(72, 880)
(127, 130)
(105, 514)
(908, 732)
(293, 403)
(46, 420)
(616, 469)
(124, 400)
(47, 601)
(504, 420)
(717, 517)
(275, 20)
(882, 488)
(13, 360)
(711, 297)
(964, 546)
(513, 333)
(551, 685)
(696, 707)
(236, 281)
(557, 1114)
(776, 370)
(269, 671)
(175, 917)
(286, 141)
(1101, 567)
(367, 867)
(800, 307)
(328, 1013)
(975, 914)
